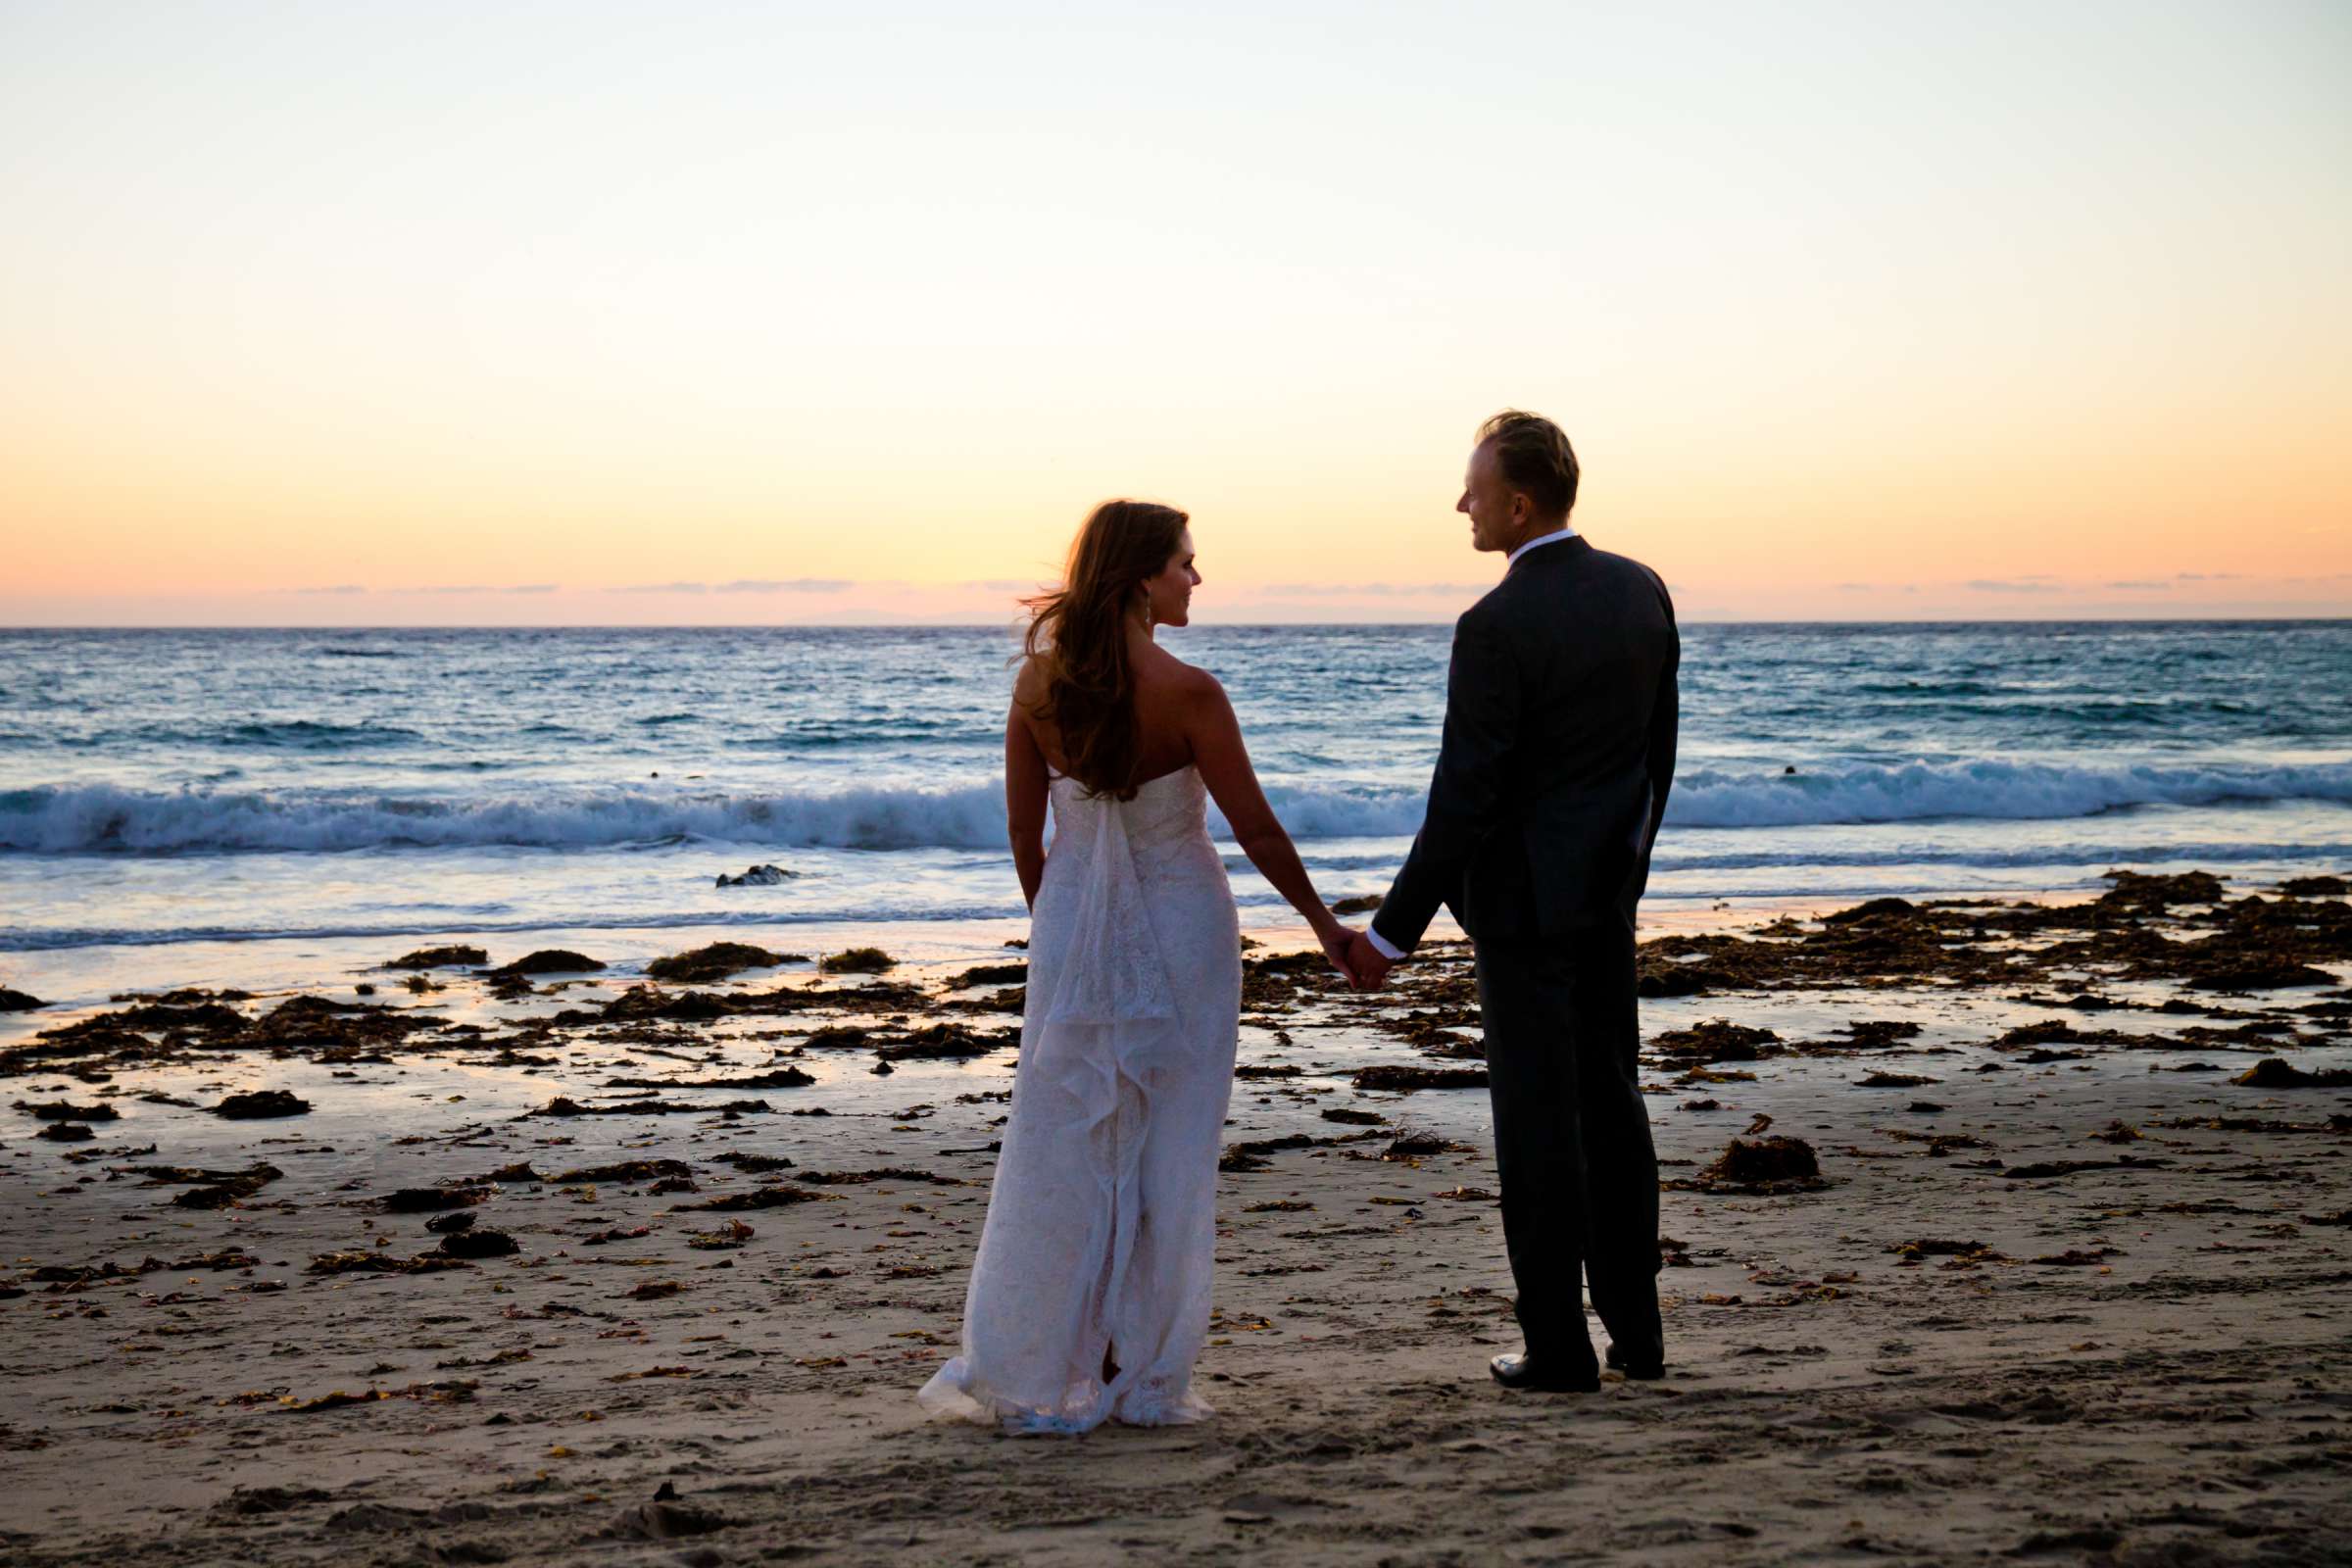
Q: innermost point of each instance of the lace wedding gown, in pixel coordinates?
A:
(1102, 1221)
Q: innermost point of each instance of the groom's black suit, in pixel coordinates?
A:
(1558, 750)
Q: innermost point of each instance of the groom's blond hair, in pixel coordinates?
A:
(1536, 459)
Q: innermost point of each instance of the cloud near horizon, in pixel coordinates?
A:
(1370, 590)
(791, 585)
(439, 588)
(748, 585)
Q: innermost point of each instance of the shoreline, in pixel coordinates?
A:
(81, 979)
(2049, 1282)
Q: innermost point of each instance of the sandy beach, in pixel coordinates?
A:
(1994, 1230)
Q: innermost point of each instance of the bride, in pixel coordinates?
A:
(1089, 1296)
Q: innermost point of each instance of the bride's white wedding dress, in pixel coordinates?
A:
(1103, 1223)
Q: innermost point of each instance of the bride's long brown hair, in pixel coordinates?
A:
(1078, 636)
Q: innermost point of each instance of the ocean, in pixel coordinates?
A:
(170, 787)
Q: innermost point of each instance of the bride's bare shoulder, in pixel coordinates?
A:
(1029, 681)
(1179, 682)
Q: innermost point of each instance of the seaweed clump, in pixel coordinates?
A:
(456, 956)
(2180, 928)
(1760, 1166)
(1717, 1040)
(2277, 1072)
(1404, 1079)
(262, 1104)
(715, 963)
(551, 960)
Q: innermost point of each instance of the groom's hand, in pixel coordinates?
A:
(1368, 964)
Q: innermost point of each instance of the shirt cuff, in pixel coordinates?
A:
(1382, 945)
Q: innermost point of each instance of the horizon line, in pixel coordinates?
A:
(980, 626)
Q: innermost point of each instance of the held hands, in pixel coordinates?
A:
(1352, 953)
(1366, 963)
(1339, 943)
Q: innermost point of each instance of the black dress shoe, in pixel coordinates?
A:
(1636, 1371)
(1542, 1373)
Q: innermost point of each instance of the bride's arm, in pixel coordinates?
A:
(1223, 760)
(1025, 801)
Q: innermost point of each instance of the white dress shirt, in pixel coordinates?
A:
(1564, 531)
(1380, 944)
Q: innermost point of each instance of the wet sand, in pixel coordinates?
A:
(2058, 1288)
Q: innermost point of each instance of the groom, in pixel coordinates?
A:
(1550, 783)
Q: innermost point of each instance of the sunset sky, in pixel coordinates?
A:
(599, 313)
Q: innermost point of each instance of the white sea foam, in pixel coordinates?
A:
(1971, 852)
(101, 818)
(1987, 790)
(37, 939)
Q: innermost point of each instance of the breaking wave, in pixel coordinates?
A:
(106, 819)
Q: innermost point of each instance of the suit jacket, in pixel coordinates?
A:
(1558, 750)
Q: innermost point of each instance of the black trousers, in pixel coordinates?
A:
(1572, 1147)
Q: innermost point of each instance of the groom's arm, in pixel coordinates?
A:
(1481, 725)
(1665, 723)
